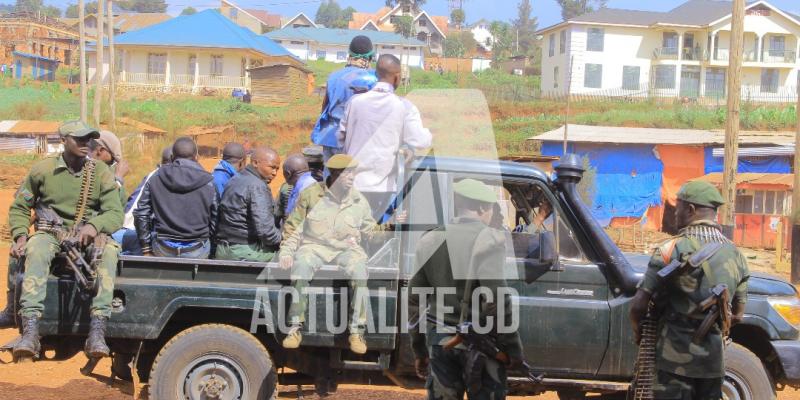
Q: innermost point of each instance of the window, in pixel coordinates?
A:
(296, 42)
(190, 68)
(217, 66)
(593, 78)
(758, 202)
(769, 80)
(244, 67)
(341, 56)
(715, 82)
(669, 43)
(555, 77)
(777, 46)
(595, 40)
(761, 202)
(321, 54)
(157, 63)
(769, 202)
(552, 48)
(665, 77)
(423, 23)
(389, 47)
(744, 204)
(562, 44)
(630, 77)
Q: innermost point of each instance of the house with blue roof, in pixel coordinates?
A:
(309, 43)
(193, 53)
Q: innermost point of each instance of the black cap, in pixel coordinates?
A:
(361, 46)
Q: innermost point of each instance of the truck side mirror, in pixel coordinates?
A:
(542, 257)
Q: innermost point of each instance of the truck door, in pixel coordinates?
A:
(565, 314)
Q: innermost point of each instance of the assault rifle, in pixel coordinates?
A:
(717, 309)
(85, 272)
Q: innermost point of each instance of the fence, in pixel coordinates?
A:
(181, 82)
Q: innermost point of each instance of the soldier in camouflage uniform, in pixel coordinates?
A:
(56, 183)
(687, 370)
(329, 231)
(442, 256)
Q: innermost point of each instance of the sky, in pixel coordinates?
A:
(547, 11)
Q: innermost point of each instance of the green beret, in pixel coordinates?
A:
(341, 161)
(475, 190)
(77, 129)
(701, 193)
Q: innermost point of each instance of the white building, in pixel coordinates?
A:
(332, 45)
(683, 52)
(482, 34)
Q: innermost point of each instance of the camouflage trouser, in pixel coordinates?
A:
(13, 270)
(243, 252)
(446, 377)
(39, 254)
(676, 387)
(308, 259)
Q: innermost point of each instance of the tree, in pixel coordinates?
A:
(525, 29)
(37, 6)
(411, 3)
(144, 6)
(404, 25)
(89, 7)
(458, 17)
(189, 11)
(331, 15)
(460, 44)
(503, 40)
(574, 8)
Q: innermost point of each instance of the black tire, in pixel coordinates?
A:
(745, 376)
(240, 364)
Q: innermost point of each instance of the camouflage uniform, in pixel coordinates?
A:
(686, 370)
(329, 230)
(281, 202)
(440, 253)
(50, 183)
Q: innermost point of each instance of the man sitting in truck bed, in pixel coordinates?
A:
(329, 231)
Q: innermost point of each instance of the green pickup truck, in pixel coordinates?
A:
(201, 329)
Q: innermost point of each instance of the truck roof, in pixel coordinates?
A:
(481, 167)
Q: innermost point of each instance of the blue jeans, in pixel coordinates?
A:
(129, 241)
(194, 250)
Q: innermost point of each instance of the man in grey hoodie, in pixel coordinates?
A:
(177, 211)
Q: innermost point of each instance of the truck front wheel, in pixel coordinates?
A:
(213, 361)
(745, 376)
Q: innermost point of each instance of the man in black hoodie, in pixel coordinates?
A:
(177, 211)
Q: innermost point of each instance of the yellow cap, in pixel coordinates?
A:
(341, 161)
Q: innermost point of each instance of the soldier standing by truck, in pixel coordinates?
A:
(453, 369)
(697, 282)
(83, 196)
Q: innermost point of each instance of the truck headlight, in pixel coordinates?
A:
(788, 308)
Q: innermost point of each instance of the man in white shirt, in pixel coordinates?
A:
(375, 126)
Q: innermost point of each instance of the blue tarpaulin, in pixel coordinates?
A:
(629, 177)
(773, 165)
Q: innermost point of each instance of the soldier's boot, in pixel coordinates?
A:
(357, 343)
(28, 346)
(293, 338)
(7, 319)
(96, 342)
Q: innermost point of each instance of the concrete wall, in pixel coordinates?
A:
(412, 55)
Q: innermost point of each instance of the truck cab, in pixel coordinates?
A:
(197, 328)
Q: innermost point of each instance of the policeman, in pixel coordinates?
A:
(446, 257)
(55, 183)
(329, 231)
(688, 370)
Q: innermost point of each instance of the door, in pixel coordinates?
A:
(690, 81)
(688, 47)
(18, 70)
(715, 83)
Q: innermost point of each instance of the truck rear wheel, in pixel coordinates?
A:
(213, 361)
(745, 376)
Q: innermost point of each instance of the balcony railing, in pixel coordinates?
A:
(687, 53)
(184, 80)
(779, 56)
(665, 53)
(724, 55)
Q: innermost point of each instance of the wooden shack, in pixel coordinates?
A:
(280, 83)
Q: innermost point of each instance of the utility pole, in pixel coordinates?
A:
(82, 38)
(732, 121)
(795, 246)
(112, 67)
(569, 103)
(98, 70)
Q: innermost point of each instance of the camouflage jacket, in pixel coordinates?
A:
(320, 219)
(679, 296)
(52, 184)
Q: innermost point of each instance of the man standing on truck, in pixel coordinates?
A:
(375, 127)
(330, 232)
(356, 77)
(246, 229)
(689, 362)
(443, 255)
(177, 214)
(57, 184)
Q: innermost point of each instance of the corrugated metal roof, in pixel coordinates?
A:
(341, 36)
(759, 151)
(207, 29)
(34, 56)
(609, 134)
(29, 127)
(752, 178)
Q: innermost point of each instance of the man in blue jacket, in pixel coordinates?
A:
(233, 160)
(356, 77)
